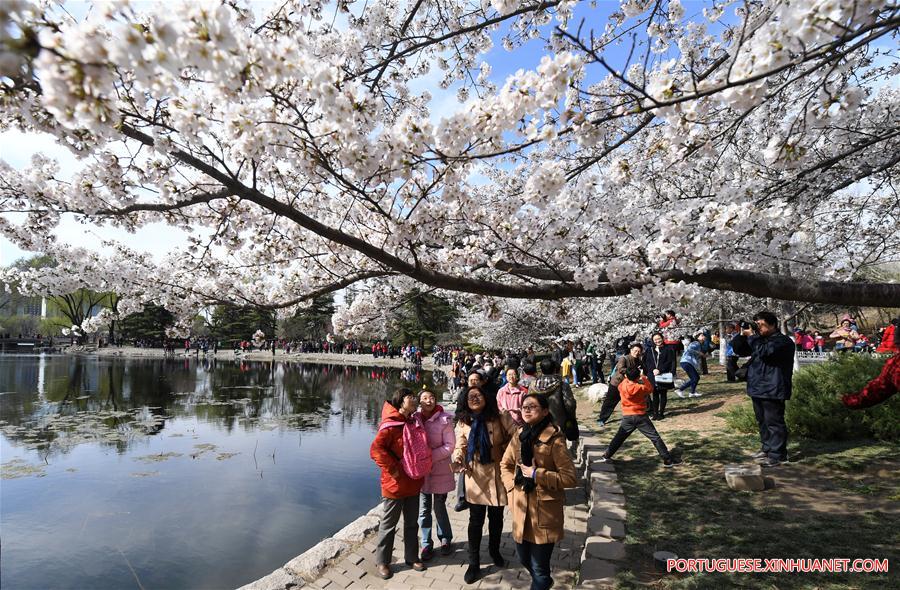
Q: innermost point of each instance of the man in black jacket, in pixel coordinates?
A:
(768, 382)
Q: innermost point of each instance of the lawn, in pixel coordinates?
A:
(834, 499)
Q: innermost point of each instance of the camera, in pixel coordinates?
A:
(748, 325)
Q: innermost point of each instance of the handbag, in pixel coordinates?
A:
(665, 378)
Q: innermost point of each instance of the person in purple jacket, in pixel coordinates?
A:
(439, 481)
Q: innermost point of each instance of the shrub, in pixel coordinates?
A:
(815, 409)
(742, 418)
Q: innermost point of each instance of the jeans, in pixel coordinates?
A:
(631, 423)
(439, 503)
(773, 431)
(387, 529)
(693, 377)
(609, 403)
(536, 559)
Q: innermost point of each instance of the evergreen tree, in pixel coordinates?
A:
(420, 319)
(149, 324)
(313, 322)
(233, 322)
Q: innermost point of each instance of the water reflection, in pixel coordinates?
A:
(52, 404)
(189, 473)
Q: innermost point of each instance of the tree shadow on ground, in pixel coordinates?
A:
(690, 511)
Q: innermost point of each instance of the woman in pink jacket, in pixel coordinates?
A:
(439, 428)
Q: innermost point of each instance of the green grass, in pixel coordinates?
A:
(690, 511)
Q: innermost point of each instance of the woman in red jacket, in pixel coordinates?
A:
(400, 493)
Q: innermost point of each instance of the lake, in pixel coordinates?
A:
(180, 473)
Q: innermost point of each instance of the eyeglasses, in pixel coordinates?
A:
(475, 396)
(530, 407)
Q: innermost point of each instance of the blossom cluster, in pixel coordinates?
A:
(303, 150)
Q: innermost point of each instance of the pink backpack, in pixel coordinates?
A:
(416, 459)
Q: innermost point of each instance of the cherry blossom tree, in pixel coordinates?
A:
(751, 147)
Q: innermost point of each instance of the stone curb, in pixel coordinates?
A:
(309, 565)
(604, 548)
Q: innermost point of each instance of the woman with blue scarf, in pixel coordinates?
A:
(482, 436)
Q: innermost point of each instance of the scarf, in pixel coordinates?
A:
(528, 436)
(479, 440)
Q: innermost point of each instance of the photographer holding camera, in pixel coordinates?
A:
(768, 381)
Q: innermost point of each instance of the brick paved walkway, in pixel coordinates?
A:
(356, 569)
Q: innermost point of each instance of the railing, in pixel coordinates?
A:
(817, 357)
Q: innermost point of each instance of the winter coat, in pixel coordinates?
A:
(622, 365)
(562, 402)
(888, 340)
(441, 439)
(634, 396)
(771, 367)
(668, 329)
(509, 399)
(662, 359)
(537, 517)
(692, 354)
(846, 337)
(483, 483)
(387, 452)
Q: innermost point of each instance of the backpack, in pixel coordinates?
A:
(416, 460)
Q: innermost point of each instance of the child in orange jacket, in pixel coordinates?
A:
(635, 388)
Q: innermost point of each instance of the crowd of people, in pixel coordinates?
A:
(505, 446)
(508, 440)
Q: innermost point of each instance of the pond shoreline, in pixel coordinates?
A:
(197, 402)
(364, 360)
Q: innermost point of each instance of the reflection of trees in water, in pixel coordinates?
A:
(82, 401)
(114, 401)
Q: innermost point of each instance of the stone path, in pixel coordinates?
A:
(589, 556)
(357, 568)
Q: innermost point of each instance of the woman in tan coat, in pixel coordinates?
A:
(482, 435)
(536, 468)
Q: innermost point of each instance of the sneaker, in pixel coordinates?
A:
(446, 548)
(696, 394)
(770, 462)
(759, 455)
(604, 459)
(600, 423)
(427, 554)
(680, 393)
(671, 462)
